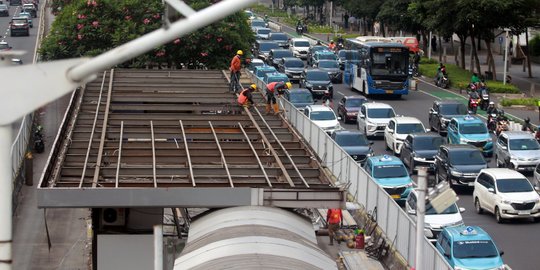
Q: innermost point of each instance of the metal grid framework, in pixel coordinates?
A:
(172, 130)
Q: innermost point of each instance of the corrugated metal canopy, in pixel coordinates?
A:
(253, 237)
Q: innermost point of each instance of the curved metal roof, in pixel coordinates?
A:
(253, 237)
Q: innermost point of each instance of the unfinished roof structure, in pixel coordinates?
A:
(150, 138)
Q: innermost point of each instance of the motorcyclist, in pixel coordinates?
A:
(537, 134)
(473, 95)
(527, 125)
(332, 46)
(502, 122)
(326, 100)
(491, 108)
(318, 42)
(475, 79)
(441, 72)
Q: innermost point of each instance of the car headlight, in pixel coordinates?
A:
(309, 85)
(505, 201)
(518, 158)
(428, 233)
(536, 200)
(409, 185)
(352, 113)
(370, 154)
(457, 223)
(419, 158)
(456, 173)
(463, 140)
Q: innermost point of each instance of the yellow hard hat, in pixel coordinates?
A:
(240, 52)
(253, 86)
(289, 85)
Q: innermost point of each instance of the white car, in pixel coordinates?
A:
(324, 117)
(299, 47)
(505, 193)
(518, 150)
(434, 222)
(397, 130)
(373, 118)
(262, 33)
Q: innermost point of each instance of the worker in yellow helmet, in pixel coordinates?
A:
(271, 90)
(245, 98)
(236, 66)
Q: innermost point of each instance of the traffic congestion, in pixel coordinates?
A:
(19, 26)
(358, 90)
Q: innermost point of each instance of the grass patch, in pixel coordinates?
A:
(506, 102)
(460, 78)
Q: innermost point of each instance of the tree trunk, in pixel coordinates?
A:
(425, 41)
(491, 60)
(528, 51)
(462, 50)
(440, 49)
(475, 55)
(365, 26)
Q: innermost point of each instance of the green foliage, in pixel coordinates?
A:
(506, 102)
(89, 28)
(534, 45)
(460, 78)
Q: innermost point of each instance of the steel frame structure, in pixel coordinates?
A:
(149, 138)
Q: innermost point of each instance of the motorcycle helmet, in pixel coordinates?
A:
(240, 52)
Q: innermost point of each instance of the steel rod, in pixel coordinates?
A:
(93, 129)
(187, 153)
(256, 155)
(118, 162)
(223, 160)
(103, 132)
(153, 154)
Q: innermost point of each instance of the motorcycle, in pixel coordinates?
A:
(442, 80)
(299, 29)
(473, 104)
(39, 144)
(502, 125)
(492, 122)
(484, 102)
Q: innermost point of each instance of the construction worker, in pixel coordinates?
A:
(245, 98)
(236, 65)
(334, 218)
(272, 88)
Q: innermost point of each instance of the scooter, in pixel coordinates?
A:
(484, 102)
(299, 29)
(473, 105)
(492, 122)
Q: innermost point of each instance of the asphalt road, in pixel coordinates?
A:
(518, 239)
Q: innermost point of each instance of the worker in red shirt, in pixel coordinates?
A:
(271, 90)
(334, 218)
(332, 46)
(245, 98)
(236, 66)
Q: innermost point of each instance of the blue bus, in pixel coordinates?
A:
(383, 67)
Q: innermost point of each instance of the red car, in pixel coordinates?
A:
(348, 107)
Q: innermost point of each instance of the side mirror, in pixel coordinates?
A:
(339, 118)
(428, 130)
(461, 209)
(504, 147)
(446, 254)
(501, 252)
(361, 115)
(433, 112)
(390, 130)
(491, 190)
(537, 188)
(371, 143)
(411, 212)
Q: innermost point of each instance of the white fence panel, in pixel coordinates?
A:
(391, 231)
(382, 209)
(372, 195)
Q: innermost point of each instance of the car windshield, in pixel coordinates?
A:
(514, 185)
(354, 102)
(453, 109)
(352, 139)
(261, 73)
(301, 97)
(25, 14)
(276, 79)
(410, 128)
(327, 56)
(428, 143)
(19, 21)
(524, 144)
(471, 157)
(297, 63)
(452, 209)
(389, 171)
(3, 7)
(389, 63)
(473, 128)
(328, 64)
(281, 54)
(317, 48)
(266, 47)
(258, 24)
(279, 37)
(380, 113)
(252, 65)
(348, 55)
(263, 31)
(317, 76)
(322, 115)
(474, 249)
(301, 44)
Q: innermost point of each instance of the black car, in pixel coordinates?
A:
(355, 143)
(332, 67)
(4, 10)
(349, 106)
(442, 111)
(348, 56)
(458, 164)
(262, 48)
(317, 82)
(312, 51)
(280, 38)
(292, 67)
(420, 149)
(276, 54)
(299, 97)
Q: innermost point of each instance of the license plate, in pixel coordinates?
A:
(389, 91)
(524, 213)
(396, 196)
(296, 76)
(470, 184)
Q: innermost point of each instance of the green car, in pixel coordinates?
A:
(29, 16)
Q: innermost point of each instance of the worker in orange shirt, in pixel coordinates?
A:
(245, 98)
(334, 218)
(271, 90)
(332, 46)
(236, 66)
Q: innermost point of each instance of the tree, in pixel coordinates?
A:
(365, 9)
(88, 28)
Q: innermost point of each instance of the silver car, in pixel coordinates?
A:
(517, 150)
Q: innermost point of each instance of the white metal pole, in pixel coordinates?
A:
(158, 247)
(6, 193)
(156, 38)
(429, 45)
(505, 56)
(420, 213)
